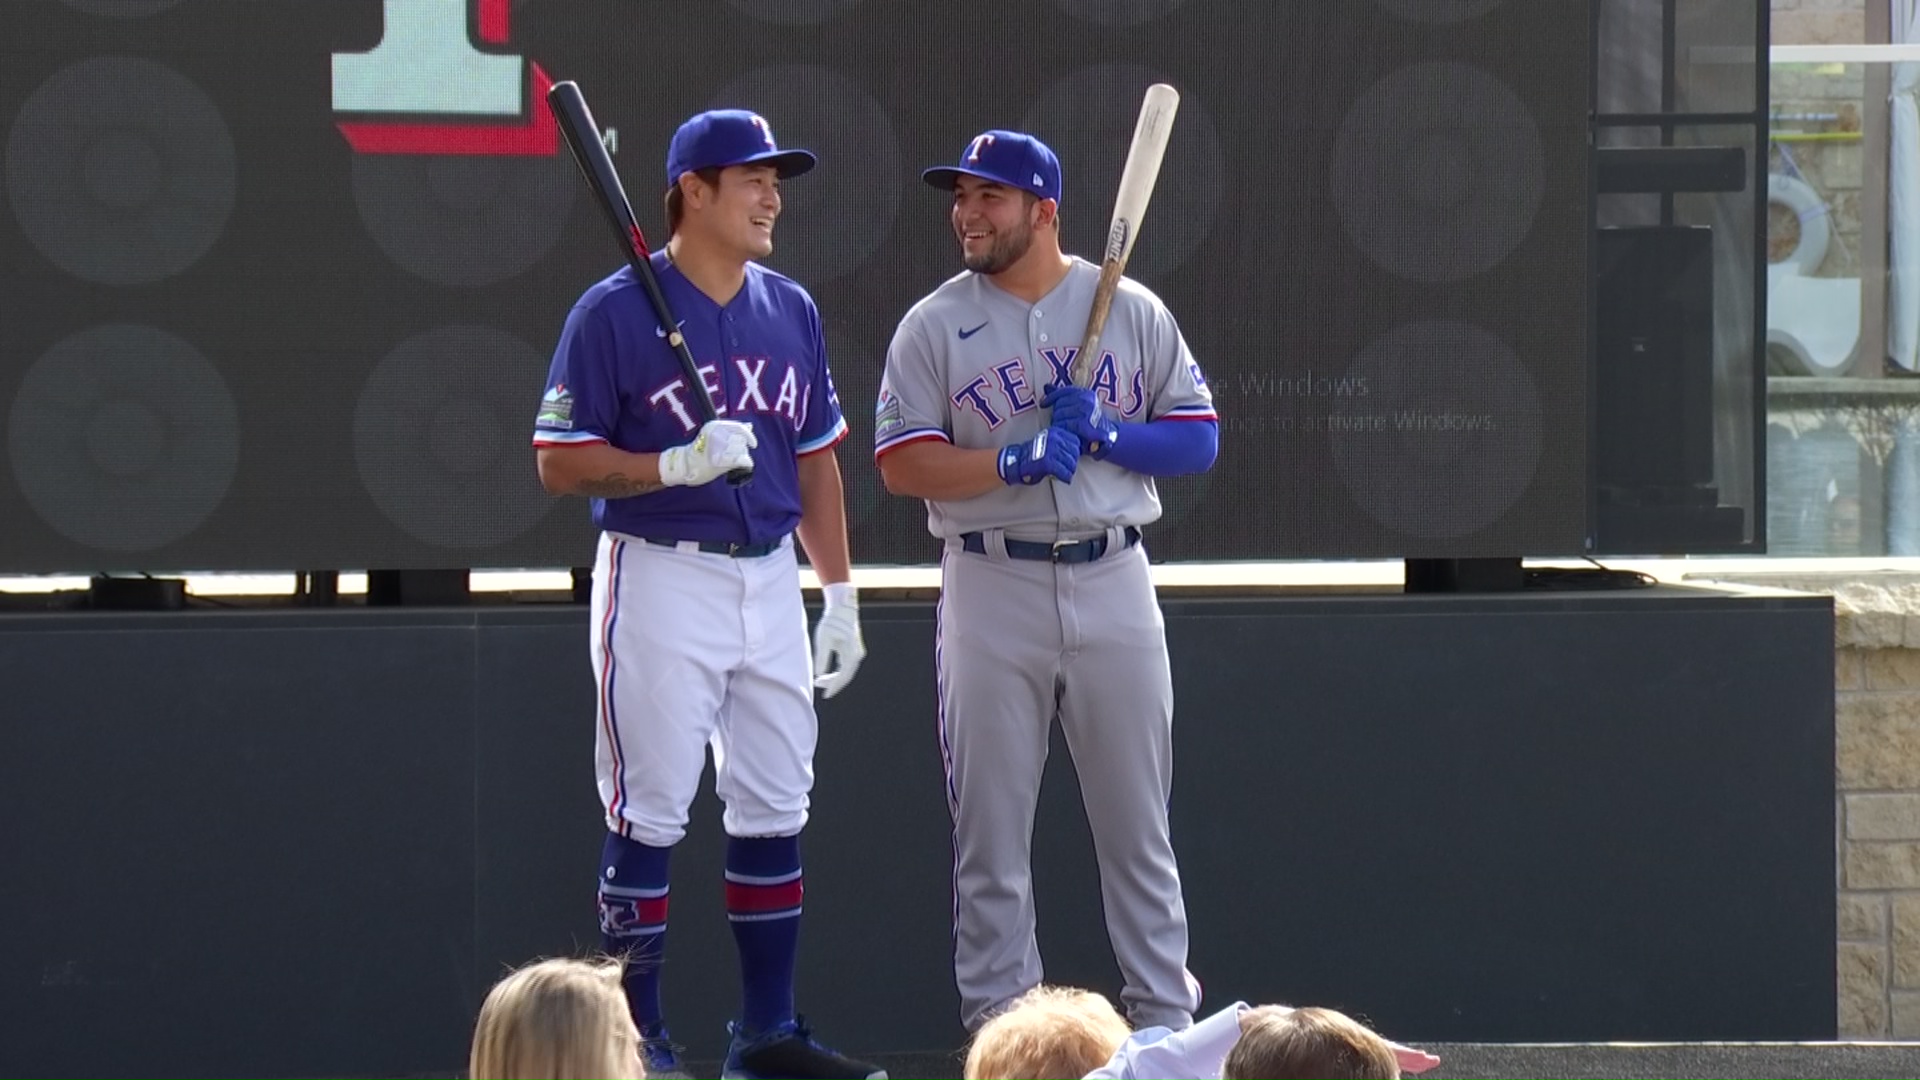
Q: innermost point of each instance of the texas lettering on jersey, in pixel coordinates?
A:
(1006, 390)
(790, 399)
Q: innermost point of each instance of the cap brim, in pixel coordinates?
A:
(786, 163)
(945, 176)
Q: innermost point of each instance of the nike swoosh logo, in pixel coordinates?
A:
(658, 330)
(965, 334)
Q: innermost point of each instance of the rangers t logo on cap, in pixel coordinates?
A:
(1004, 157)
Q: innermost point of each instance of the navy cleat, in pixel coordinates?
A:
(660, 1056)
(788, 1052)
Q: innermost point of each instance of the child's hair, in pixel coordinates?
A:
(1304, 1044)
(1048, 1033)
(556, 1020)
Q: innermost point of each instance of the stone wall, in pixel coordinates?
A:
(1877, 721)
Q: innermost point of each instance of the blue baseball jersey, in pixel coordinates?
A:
(614, 379)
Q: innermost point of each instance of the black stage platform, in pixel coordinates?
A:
(305, 842)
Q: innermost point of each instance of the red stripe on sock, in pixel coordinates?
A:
(753, 899)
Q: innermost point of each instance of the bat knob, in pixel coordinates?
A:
(740, 477)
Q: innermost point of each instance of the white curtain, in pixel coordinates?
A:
(1903, 197)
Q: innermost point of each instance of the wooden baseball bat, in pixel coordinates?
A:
(1150, 135)
(583, 138)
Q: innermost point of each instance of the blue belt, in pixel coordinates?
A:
(1060, 551)
(717, 547)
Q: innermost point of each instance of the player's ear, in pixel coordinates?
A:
(1046, 212)
(692, 191)
(698, 188)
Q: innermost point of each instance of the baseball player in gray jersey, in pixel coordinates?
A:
(1040, 490)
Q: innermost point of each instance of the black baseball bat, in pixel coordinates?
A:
(583, 138)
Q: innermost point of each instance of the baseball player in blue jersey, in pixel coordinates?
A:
(1046, 606)
(698, 635)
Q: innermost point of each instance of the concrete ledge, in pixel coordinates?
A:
(1871, 610)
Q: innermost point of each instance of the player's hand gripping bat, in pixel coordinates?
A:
(583, 138)
(1150, 135)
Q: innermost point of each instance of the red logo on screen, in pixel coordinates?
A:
(458, 98)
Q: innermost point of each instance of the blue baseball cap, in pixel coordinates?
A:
(721, 137)
(1012, 158)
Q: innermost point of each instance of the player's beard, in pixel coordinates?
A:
(1008, 247)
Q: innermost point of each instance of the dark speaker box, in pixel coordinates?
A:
(1653, 393)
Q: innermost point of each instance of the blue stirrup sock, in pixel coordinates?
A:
(763, 906)
(633, 921)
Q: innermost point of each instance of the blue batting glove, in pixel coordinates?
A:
(1054, 452)
(1079, 411)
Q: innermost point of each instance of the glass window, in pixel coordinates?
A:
(1843, 279)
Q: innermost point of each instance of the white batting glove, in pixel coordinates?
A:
(837, 646)
(721, 447)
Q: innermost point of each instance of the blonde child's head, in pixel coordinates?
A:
(1048, 1032)
(556, 1020)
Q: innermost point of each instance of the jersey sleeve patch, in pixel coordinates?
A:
(887, 417)
(556, 410)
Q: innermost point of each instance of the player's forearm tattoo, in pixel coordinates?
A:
(617, 486)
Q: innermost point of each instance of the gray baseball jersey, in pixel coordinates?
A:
(970, 362)
(1021, 641)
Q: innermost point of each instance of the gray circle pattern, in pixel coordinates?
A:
(1088, 119)
(123, 438)
(464, 220)
(120, 171)
(1440, 11)
(793, 12)
(121, 9)
(838, 213)
(440, 436)
(1438, 172)
(1118, 12)
(1439, 469)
